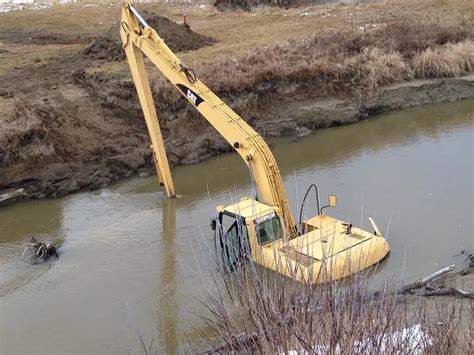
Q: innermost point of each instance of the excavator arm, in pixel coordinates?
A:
(138, 38)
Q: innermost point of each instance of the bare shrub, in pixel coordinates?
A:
(280, 315)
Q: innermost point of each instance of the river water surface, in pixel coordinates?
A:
(132, 260)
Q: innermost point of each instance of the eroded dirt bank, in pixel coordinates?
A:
(70, 118)
(82, 139)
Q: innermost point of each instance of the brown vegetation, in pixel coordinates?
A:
(248, 5)
(447, 61)
(279, 315)
(22, 135)
(351, 63)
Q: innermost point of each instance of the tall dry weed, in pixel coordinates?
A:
(18, 122)
(374, 67)
(448, 61)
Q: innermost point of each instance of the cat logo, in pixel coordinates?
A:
(191, 97)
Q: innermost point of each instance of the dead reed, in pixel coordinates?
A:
(446, 61)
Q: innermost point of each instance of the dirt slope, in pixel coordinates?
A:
(176, 36)
(70, 118)
(91, 132)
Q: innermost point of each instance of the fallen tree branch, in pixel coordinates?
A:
(10, 196)
(426, 280)
(468, 261)
(447, 292)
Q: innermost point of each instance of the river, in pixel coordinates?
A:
(133, 261)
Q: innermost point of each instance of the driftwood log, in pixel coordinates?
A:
(424, 281)
(11, 196)
(426, 289)
(447, 292)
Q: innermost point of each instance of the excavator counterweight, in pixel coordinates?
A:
(263, 228)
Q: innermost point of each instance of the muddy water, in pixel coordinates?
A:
(132, 261)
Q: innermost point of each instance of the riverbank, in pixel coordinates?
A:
(45, 177)
(75, 123)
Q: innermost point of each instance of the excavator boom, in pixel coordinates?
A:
(138, 39)
(319, 249)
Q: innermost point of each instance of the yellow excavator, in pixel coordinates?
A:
(263, 229)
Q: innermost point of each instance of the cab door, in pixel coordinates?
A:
(234, 242)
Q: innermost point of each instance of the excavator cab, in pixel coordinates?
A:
(243, 228)
(327, 249)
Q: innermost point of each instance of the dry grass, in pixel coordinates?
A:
(241, 32)
(21, 122)
(353, 63)
(447, 61)
(374, 67)
(322, 51)
(411, 2)
(18, 129)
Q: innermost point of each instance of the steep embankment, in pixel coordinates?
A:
(76, 125)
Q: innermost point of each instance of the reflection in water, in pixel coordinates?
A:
(167, 308)
(412, 171)
(328, 147)
(29, 218)
(334, 147)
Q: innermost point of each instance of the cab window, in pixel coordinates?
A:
(234, 242)
(268, 229)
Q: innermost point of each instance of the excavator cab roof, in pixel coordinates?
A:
(247, 208)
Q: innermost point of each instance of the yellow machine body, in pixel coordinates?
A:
(326, 251)
(319, 249)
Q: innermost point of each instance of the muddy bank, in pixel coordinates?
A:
(70, 118)
(103, 138)
(394, 97)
